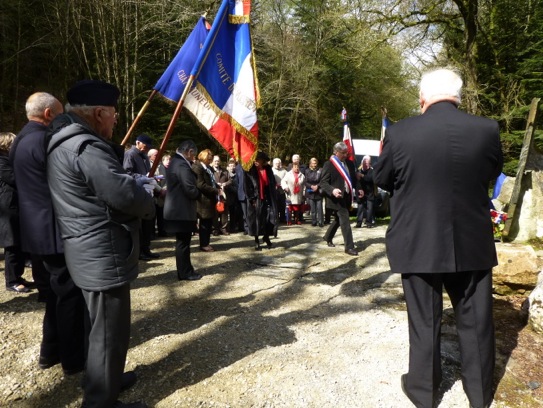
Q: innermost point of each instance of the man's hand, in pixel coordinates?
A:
(336, 192)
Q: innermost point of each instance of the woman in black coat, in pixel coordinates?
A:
(208, 198)
(261, 200)
(9, 220)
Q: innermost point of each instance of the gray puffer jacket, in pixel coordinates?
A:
(98, 207)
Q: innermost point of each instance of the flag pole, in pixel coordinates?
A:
(221, 14)
(173, 120)
(138, 117)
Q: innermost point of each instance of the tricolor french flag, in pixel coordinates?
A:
(384, 126)
(225, 97)
(347, 135)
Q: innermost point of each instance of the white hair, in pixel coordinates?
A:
(38, 102)
(441, 83)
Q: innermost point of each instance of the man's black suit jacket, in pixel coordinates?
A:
(438, 166)
(332, 179)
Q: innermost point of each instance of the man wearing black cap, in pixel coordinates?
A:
(98, 208)
(136, 163)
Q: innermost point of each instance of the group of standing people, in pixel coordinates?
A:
(67, 200)
(77, 215)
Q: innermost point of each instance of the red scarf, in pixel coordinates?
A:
(263, 181)
(296, 184)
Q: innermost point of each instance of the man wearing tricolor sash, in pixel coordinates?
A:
(339, 183)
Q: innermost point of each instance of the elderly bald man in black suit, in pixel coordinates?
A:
(437, 167)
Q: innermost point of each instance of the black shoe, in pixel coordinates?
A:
(19, 288)
(22, 281)
(358, 225)
(321, 225)
(268, 243)
(73, 371)
(47, 362)
(351, 251)
(258, 247)
(128, 379)
(190, 277)
(139, 404)
(330, 244)
(151, 255)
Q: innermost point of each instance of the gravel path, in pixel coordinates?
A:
(300, 325)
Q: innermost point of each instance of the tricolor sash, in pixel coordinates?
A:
(343, 171)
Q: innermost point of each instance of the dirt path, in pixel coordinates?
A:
(300, 325)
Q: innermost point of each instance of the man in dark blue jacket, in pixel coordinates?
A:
(63, 323)
(136, 163)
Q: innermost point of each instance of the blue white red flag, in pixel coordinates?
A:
(172, 82)
(347, 136)
(344, 115)
(225, 97)
(384, 126)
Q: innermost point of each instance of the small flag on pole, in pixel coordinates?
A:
(225, 97)
(172, 82)
(347, 135)
(385, 124)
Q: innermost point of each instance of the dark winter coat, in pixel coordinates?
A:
(313, 177)
(261, 214)
(39, 230)
(97, 204)
(208, 194)
(180, 204)
(9, 214)
(136, 163)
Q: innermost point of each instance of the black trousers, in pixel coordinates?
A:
(206, 225)
(109, 336)
(471, 297)
(14, 260)
(243, 204)
(146, 231)
(341, 219)
(182, 254)
(65, 319)
(159, 219)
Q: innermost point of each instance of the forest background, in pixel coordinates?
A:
(313, 58)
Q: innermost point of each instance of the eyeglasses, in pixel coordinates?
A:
(115, 114)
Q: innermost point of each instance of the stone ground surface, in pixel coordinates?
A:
(300, 325)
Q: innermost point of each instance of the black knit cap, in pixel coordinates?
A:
(262, 156)
(146, 140)
(93, 93)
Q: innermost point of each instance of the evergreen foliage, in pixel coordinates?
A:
(313, 57)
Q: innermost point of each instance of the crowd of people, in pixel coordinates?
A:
(84, 210)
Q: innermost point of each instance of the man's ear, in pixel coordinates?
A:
(48, 114)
